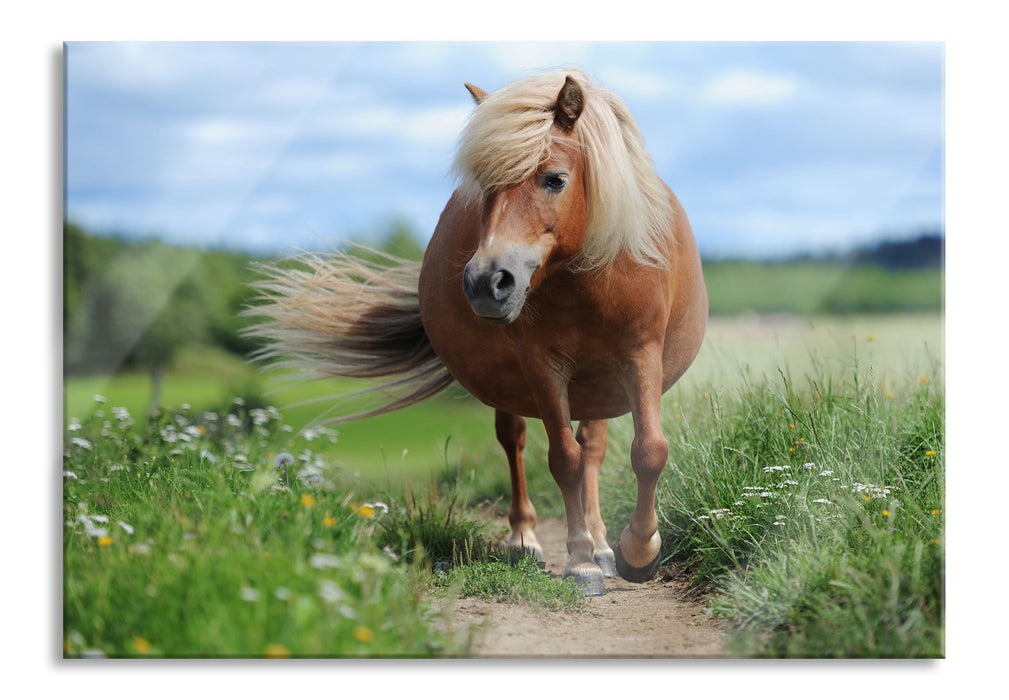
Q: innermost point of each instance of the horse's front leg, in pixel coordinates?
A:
(637, 555)
(511, 433)
(592, 437)
(568, 469)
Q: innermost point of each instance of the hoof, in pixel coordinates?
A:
(590, 584)
(607, 563)
(636, 574)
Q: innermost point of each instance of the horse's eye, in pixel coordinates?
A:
(554, 181)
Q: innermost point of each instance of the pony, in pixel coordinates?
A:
(562, 282)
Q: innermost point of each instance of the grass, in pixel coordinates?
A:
(192, 534)
(826, 287)
(805, 492)
(809, 506)
(410, 445)
(518, 582)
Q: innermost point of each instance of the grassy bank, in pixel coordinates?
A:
(808, 500)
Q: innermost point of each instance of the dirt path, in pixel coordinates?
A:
(655, 619)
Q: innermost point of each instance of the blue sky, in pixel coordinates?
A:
(773, 148)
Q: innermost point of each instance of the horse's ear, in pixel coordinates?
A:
(570, 102)
(478, 94)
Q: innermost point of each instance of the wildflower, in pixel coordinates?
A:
(69, 475)
(104, 541)
(886, 513)
(276, 651)
(821, 500)
(90, 528)
(322, 560)
(249, 594)
(923, 380)
(329, 521)
(80, 442)
(870, 338)
(142, 646)
(74, 425)
(933, 542)
(100, 399)
(366, 510)
(307, 500)
(330, 592)
(125, 526)
(792, 426)
(930, 453)
(936, 511)
(363, 634)
(282, 593)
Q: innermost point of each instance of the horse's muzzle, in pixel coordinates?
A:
(496, 292)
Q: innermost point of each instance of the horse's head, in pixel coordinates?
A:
(530, 227)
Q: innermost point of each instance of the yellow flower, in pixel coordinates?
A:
(871, 337)
(104, 541)
(936, 511)
(141, 645)
(366, 511)
(886, 513)
(363, 634)
(923, 380)
(329, 521)
(930, 453)
(933, 541)
(276, 651)
(308, 500)
(792, 426)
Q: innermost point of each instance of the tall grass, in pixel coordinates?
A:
(811, 508)
(191, 534)
(184, 538)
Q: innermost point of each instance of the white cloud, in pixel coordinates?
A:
(747, 87)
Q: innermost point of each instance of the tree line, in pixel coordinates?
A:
(133, 305)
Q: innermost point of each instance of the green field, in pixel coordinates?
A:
(179, 540)
(412, 444)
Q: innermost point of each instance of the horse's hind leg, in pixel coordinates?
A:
(511, 433)
(592, 437)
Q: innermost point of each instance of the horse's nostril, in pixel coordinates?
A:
(502, 284)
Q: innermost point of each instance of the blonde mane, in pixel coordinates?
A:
(510, 134)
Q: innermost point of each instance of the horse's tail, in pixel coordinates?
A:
(350, 316)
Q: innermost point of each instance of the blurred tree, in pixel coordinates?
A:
(401, 241)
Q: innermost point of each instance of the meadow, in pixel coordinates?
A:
(804, 496)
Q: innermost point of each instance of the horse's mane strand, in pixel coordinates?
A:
(509, 135)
